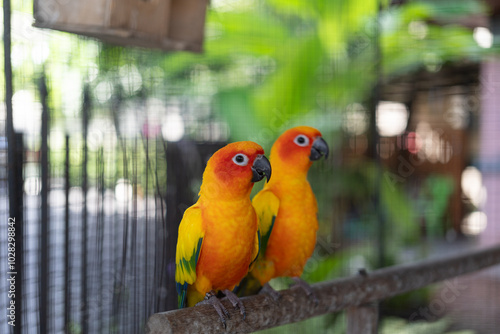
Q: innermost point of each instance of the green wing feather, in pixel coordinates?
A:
(266, 205)
(189, 243)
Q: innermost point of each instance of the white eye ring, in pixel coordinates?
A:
(240, 159)
(301, 140)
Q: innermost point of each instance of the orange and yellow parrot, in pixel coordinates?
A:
(218, 236)
(287, 211)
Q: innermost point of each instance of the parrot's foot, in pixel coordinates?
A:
(211, 299)
(237, 303)
(268, 290)
(299, 283)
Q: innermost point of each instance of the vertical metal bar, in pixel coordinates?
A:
(160, 265)
(15, 165)
(100, 233)
(123, 270)
(363, 319)
(133, 251)
(8, 71)
(146, 258)
(84, 290)
(117, 294)
(375, 139)
(67, 287)
(173, 220)
(16, 205)
(44, 287)
(158, 240)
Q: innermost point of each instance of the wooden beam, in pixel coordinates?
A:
(294, 305)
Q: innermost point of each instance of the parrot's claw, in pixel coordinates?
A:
(237, 303)
(299, 283)
(211, 299)
(268, 290)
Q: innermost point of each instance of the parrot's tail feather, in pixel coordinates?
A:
(248, 286)
(181, 300)
(181, 294)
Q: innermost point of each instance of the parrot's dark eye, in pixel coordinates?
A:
(240, 159)
(301, 140)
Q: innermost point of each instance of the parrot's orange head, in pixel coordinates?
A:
(298, 147)
(232, 170)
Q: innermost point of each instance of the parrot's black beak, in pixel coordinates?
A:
(318, 149)
(261, 167)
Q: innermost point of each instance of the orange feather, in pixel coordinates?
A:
(220, 229)
(287, 208)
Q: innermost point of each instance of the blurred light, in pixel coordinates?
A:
(101, 133)
(231, 5)
(173, 127)
(57, 198)
(472, 186)
(413, 142)
(75, 199)
(92, 72)
(433, 147)
(445, 151)
(123, 192)
(40, 52)
(155, 110)
(151, 129)
(32, 186)
(418, 29)
(103, 91)
(392, 118)
(18, 54)
(57, 140)
(130, 78)
(356, 263)
(355, 119)
(131, 119)
(93, 200)
(432, 62)
(27, 114)
(474, 223)
(109, 202)
(483, 37)
(72, 97)
(456, 115)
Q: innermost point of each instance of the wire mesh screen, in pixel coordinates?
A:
(103, 155)
(108, 242)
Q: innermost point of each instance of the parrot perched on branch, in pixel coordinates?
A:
(218, 236)
(287, 211)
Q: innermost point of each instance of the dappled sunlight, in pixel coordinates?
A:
(483, 37)
(172, 128)
(355, 119)
(32, 186)
(472, 186)
(27, 112)
(392, 118)
(432, 146)
(474, 223)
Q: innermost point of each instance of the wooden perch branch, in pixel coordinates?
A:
(336, 295)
